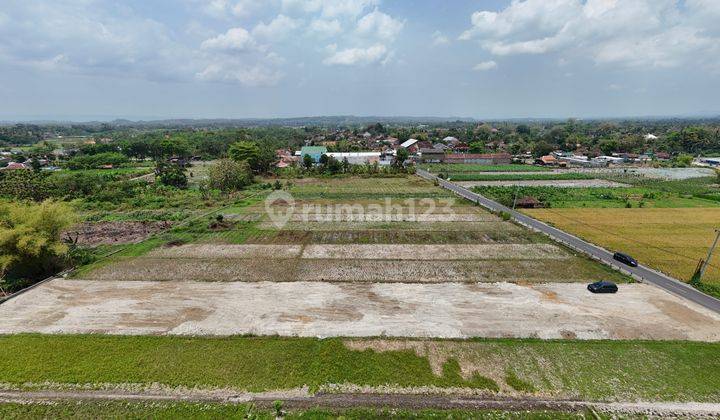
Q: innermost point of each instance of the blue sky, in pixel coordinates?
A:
(87, 59)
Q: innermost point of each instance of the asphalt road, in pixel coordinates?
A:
(641, 272)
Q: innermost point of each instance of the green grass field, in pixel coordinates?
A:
(460, 176)
(182, 410)
(599, 197)
(469, 167)
(592, 370)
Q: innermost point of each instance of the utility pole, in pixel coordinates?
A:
(712, 248)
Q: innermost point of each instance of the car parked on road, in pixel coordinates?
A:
(625, 259)
(603, 287)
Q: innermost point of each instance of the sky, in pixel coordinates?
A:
(151, 59)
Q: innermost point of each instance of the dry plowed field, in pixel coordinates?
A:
(452, 310)
(444, 268)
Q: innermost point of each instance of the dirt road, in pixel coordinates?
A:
(301, 400)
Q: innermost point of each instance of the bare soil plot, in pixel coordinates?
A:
(432, 204)
(435, 252)
(113, 233)
(495, 232)
(367, 251)
(550, 311)
(401, 216)
(353, 270)
(574, 183)
(434, 226)
(209, 251)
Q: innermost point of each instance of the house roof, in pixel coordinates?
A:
(313, 150)
(15, 165)
(408, 143)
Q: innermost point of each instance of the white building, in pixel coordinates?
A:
(356, 158)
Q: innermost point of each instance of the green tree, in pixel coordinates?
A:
(477, 147)
(541, 149)
(95, 161)
(608, 146)
(401, 155)
(245, 151)
(171, 174)
(307, 161)
(30, 243)
(228, 175)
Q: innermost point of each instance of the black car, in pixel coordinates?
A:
(625, 259)
(603, 287)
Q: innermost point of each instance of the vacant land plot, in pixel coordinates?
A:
(353, 270)
(583, 183)
(113, 233)
(319, 309)
(670, 240)
(493, 233)
(359, 188)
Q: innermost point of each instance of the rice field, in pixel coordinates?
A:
(669, 240)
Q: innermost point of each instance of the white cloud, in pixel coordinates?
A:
(439, 39)
(380, 25)
(325, 28)
(277, 29)
(235, 39)
(225, 9)
(648, 33)
(84, 37)
(485, 65)
(361, 56)
(233, 72)
(329, 8)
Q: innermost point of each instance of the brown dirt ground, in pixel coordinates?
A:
(114, 233)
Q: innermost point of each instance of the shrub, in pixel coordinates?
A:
(228, 175)
(30, 244)
(171, 174)
(25, 185)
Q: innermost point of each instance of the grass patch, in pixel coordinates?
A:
(596, 197)
(469, 167)
(679, 371)
(175, 410)
(518, 384)
(454, 176)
